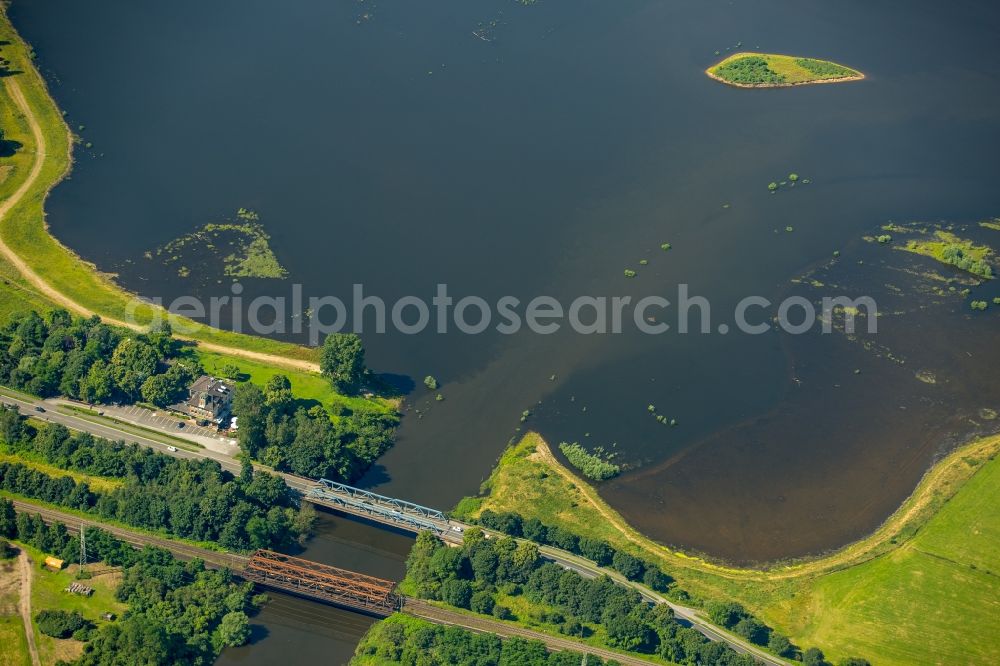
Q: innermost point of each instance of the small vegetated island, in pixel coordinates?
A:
(768, 70)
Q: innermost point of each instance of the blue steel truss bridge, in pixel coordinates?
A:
(382, 509)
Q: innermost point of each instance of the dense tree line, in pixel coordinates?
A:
(63, 624)
(342, 361)
(956, 255)
(85, 359)
(597, 551)
(474, 575)
(730, 615)
(178, 613)
(748, 70)
(88, 360)
(190, 498)
(400, 640)
(283, 434)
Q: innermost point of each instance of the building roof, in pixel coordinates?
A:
(211, 386)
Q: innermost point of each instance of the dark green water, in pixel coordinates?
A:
(404, 151)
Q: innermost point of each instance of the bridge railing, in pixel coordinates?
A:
(357, 500)
(321, 581)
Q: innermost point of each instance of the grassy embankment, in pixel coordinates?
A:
(307, 387)
(78, 283)
(770, 70)
(101, 484)
(924, 588)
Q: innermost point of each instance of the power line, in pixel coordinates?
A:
(83, 545)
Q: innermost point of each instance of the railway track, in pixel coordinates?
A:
(484, 625)
(183, 551)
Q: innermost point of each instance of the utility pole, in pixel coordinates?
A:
(83, 546)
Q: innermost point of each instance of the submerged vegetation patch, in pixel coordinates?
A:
(950, 249)
(594, 465)
(241, 247)
(768, 70)
(793, 178)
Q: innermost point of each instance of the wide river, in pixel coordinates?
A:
(525, 149)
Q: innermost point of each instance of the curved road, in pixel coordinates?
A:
(564, 558)
(57, 296)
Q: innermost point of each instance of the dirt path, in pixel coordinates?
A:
(613, 518)
(942, 480)
(61, 299)
(25, 606)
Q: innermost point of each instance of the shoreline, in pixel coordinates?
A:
(839, 79)
(857, 76)
(916, 510)
(31, 249)
(836, 600)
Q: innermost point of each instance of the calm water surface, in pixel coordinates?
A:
(383, 143)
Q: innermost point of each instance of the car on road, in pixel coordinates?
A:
(39, 408)
(172, 449)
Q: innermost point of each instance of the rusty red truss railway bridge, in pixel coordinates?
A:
(321, 581)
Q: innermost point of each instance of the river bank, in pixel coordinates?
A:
(798, 598)
(55, 271)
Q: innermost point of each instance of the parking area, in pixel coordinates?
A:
(161, 420)
(167, 422)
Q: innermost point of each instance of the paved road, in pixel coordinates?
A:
(28, 407)
(566, 559)
(588, 569)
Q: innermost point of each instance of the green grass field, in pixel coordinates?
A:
(48, 593)
(934, 246)
(13, 644)
(934, 600)
(98, 483)
(306, 386)
(924, 589)
(774, 70)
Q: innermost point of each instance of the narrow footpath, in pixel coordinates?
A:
(24, 563)
(61, 299)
